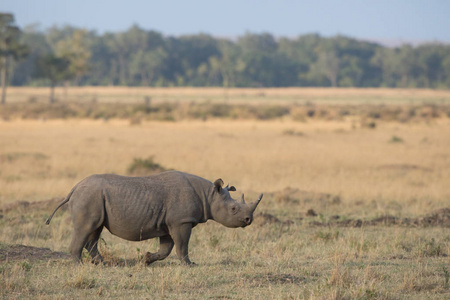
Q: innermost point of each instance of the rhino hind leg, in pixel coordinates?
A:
(165, 247)
(79, 239)
(91, 246)
(85, 237)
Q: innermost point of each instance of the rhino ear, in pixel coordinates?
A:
(232, 189)
(218, 185)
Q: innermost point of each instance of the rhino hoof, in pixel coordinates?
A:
(150, 258)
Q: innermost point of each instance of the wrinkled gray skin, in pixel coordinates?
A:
(166, 205)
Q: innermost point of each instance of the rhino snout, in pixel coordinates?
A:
(246, 221)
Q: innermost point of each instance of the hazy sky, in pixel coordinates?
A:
(404, 20)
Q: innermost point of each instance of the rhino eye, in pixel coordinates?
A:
(234, 209)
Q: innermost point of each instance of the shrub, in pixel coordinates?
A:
(396, 139)
(142, 167)
(267, 112)
(293, 132)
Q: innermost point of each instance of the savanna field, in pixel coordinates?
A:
(356, 187)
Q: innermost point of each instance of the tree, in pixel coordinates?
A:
(261, 64)
(119, 62)
(187, 55)
(145, 54)
(141, 57)
(10, 48)
(75, 49)
(431, 58)
(301, 51)
(408, 69)
(227, 62)
(328, 65)
(24, 70)
(382, 60)
(446, 67)
(54, 68)
(264, 43)
(147, 65)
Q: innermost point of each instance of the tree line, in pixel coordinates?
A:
(138, 57)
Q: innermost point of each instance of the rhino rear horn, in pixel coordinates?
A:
(218, 184)
(242, 199)
(253, 205)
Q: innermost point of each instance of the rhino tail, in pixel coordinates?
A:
(61, 204)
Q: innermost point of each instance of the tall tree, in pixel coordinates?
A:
(431, 58)
(446, 67)
(408, 69)
(55, 69)
(24, 70)
(146, 55)
(75, 49)
(10, 48)
(261, 64)
(188, 54)
(148, 65)
(227, 62)
(328, 65)
(141, 57)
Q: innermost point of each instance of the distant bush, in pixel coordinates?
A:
(143, 167)
(293, 132)
(135, 121)
(13, 156)
(395, 139)
(208, 110)
(368, 124)
(169, 111)
(271, 112)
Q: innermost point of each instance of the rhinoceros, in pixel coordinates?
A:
(165, 205)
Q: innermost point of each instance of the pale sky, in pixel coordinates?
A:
(388, 20)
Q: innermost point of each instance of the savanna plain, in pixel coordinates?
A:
(356, 190)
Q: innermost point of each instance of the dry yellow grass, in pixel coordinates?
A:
(400, 169)
(45, 159)
(231, 95)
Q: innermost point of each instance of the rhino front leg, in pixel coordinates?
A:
(165, 247)
(181, 235)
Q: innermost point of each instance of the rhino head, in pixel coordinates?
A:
(229, 212)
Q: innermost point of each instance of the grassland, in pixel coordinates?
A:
(230, 95)
(342, 168)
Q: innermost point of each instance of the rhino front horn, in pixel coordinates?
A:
(242, 199)
(253, 205)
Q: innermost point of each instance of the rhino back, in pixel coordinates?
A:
(139, 208)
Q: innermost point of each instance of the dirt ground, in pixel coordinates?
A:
(21, 252)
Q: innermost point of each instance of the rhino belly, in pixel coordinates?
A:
(131, 232)
(135, 221)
